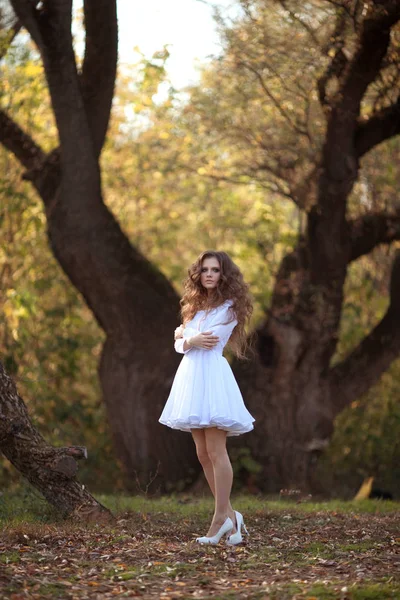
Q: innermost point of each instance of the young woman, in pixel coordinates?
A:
(205, 398)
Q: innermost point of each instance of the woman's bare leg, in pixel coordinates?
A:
(202, 454)
(223, 475)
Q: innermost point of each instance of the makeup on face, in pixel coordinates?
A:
(210, 273)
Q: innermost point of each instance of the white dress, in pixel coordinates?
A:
(204, 392)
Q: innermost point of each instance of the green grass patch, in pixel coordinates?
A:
(375, 591)
(53, 590)
(358, 547)
(184, 505)
(323, 591)
(10, 557)
(27, 506)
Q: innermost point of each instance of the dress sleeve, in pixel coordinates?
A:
(187, 333)
(178, 345)
(223, 323)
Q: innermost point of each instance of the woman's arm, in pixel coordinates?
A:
(182, 334)
(181, 346)
(205, 340)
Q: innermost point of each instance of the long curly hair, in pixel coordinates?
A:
(231, 286)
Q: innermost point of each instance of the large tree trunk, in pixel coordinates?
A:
(50, 470)
(133, 302)
(294, 399)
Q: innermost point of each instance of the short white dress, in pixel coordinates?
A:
(204, 392)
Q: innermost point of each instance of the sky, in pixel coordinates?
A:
(187, 25)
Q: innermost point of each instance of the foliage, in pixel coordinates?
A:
(150, 182)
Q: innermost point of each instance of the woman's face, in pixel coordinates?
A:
(210, 273)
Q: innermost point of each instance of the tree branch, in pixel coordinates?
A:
(354, 376)
(373, 45)
(339, 163)
(371, 230)
(339, 61)
(12, 33)
(28, 14)
(50, 470)
(99, 66)
(15, 139)
(295, 17)
(296, 127)
(378, 128)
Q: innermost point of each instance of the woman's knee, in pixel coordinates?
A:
(216, 452)
(216, 445)
(202, 454)
(201, 448)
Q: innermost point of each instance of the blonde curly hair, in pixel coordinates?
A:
(231, 286)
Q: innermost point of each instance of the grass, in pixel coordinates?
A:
(183, 505)
(326, 551)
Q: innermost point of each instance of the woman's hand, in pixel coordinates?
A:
(178, 332)
(206, 340)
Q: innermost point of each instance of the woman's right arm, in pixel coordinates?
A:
(182, 346)
(181, 335)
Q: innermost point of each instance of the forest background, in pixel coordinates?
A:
(177, 185)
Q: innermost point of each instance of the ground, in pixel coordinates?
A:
(335, 550)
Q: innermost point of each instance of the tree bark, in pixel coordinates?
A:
(50, 470)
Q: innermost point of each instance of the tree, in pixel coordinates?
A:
(132, 301)
(296, 386)
(51, 470)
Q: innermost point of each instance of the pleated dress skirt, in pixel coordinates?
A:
(205, 394)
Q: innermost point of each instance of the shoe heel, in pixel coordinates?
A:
(236, 538)
(226, 528)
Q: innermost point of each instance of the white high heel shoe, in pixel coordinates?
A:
(225, 528)
(237, 538)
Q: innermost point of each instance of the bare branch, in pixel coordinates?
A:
(20, 143)
(378, 128)
(371, 230)
(295, 17)
(277, 104)
(354, 376)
